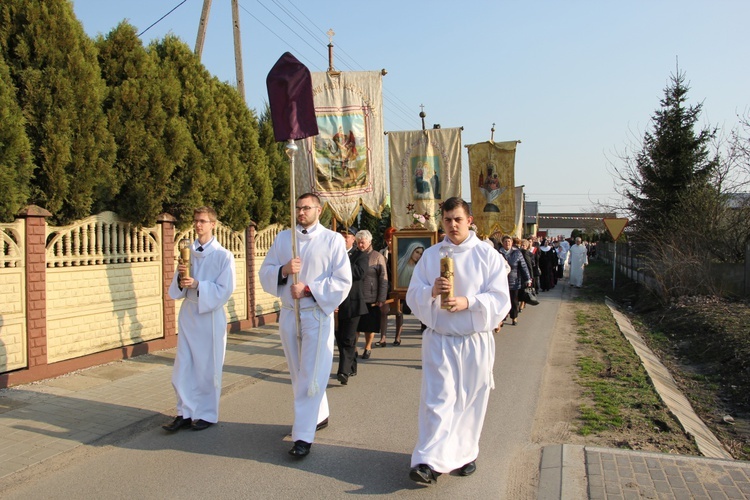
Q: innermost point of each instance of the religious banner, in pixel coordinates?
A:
(492, 180)
(345, 163)
(425, 170)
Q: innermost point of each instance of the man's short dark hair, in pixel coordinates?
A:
(455, 202)
(309, 195)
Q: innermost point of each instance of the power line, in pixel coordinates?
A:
(285, 24)
(162, 17)
(278, 36)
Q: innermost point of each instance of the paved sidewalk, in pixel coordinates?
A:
(46, 418)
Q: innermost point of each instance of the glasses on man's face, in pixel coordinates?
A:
(201, 221)
(305, 208)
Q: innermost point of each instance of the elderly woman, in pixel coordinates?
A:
(374, 290)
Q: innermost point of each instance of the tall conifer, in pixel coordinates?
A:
(278, 170)
(673, 164)
(143, 118)
(15, 150)
(60, 91)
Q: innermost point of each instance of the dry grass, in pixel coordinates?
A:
(705, 343)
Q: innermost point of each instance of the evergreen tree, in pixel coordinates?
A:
(673, 165)
(185, 76)
(278, 170)
(54, 68)
(143, 117)
(15, 150)
(255, 198)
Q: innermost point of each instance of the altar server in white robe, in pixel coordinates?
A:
(578, 259)
(324, 280)
(458, 348)
(202, 326)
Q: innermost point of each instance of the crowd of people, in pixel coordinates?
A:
(537, 265)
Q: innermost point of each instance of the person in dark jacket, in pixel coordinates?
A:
(528, 257)
(519, 276)
(350, 310)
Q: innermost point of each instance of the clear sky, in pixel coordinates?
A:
(575, 81)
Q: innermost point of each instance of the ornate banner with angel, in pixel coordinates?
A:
(492, 179)
(345, 163)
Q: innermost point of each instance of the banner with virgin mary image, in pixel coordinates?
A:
(492, 180)
(425, 170)
(345, 163)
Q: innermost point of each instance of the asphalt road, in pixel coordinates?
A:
(365, 451)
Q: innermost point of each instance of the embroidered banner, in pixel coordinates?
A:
(425, 170)
(492, 180)
(345, 163)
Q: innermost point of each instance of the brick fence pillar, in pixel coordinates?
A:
(36, 284)
(250, 272)
(166, 222)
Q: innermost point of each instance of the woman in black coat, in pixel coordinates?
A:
(350, 310)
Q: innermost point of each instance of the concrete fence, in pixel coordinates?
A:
(96, 290)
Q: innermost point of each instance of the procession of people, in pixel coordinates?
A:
(334, 286)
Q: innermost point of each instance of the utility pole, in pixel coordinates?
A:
(238, 49)
(203, 24)
(202, 28)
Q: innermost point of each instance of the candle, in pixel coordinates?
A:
(446, 271)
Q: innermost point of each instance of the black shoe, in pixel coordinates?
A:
(423, 473)
(200, 424)
(353, 374)
(177, 424)
(397, 342)
(322, 425)
(468, 469)
(366, 354)
(343, 378)
(300, 449)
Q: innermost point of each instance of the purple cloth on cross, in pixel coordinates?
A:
(291, 100)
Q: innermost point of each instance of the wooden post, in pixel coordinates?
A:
(202, 28)
(238, 49)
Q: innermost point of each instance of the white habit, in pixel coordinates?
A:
(326, 270)
(458, 351)
(202, 329)
(578, 259)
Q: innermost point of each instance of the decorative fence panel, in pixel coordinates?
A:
(265, 303)
(234, 241)
(104, 286)
(13, 350)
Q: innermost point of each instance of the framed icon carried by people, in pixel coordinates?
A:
(408, 247)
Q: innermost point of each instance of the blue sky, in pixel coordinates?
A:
(575, 81)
